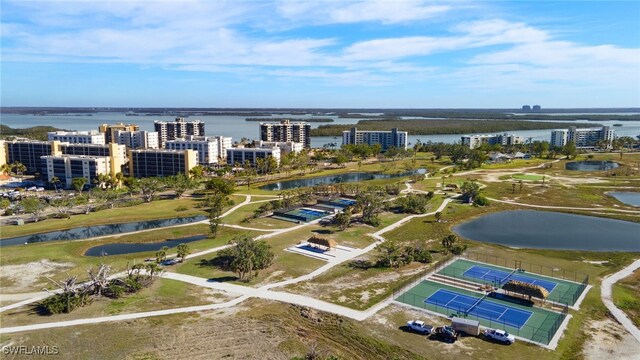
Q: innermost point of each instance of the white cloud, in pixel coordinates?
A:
(383, 11)
(226, 37)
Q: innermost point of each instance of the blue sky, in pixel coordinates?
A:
(397, 54)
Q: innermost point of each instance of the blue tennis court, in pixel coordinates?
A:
(501, 277)
(479, 307)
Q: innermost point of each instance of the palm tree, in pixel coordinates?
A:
(55, 181)
(6, 168)
(448, 242)
(161, 255)
(19, 168)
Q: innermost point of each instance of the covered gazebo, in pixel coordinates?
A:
(326, 244)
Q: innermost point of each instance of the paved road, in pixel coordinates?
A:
(606, 290)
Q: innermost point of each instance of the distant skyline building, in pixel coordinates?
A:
(582, 137)
(526, 108)
(137, 139)
(110, 130)
(205, 147)
(161, 162)
(386, 139)
(77, 137)
(171, 130)
(286, 131)
(475, 141)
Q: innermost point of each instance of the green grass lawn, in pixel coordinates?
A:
(162, 294)
(159, 209)
(72, 252)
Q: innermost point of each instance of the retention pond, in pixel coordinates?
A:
(335, 179)
(130, 248)
(86, 232)
(591, 165)
(552, 230)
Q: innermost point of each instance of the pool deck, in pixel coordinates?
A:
(338, 253)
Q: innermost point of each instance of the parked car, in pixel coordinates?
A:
(419, 326)
(169, 262)
(500, 335)
(445, 333)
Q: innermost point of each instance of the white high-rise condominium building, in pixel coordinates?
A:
(206, 147)
(224, 143)
(558, 138)
(583, 138)
(137, 139)
(286, 131)
(170, 130)
(386, 139)
(77, 137)
(474, 141)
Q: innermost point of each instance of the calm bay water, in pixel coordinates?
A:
(237, 127)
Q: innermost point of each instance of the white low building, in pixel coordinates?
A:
(286, 147)
(77, 137)
(137, 139)
(237, 156)
(205, 147)
(68, 167)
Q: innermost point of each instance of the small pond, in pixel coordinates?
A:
(590, 165)
(334, 179)
(130, 248)
(627, 197)
(552, 230)
(85, 232)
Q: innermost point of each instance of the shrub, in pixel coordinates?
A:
(64, 302)
(181, 208)
(458, 249)
(481, 200)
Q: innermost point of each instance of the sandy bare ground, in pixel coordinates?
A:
(359, 286)
(609, 340)
(22, 277)
(494, 176)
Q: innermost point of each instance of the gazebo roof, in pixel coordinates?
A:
(330, 243)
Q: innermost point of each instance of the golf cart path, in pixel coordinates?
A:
(263, 292)
(565, 207)
(606, 291)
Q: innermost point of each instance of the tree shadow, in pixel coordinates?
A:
(323, 231)
(223, 279)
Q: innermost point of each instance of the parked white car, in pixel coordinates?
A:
(500, 335)
(419, 326)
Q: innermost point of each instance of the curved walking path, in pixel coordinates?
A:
(606, 294)
(245, 292)
(565, 207)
